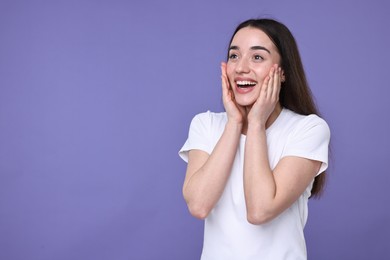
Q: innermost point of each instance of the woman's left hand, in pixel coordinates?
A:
(268, 97)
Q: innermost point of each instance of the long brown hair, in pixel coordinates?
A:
(295, 93)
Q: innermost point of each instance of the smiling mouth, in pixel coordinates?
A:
(245, 84)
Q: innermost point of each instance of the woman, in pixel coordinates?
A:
(252, 168)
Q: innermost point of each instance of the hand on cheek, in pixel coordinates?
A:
(234, 112)
(268, 97)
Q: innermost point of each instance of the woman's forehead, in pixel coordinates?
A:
(250, 36)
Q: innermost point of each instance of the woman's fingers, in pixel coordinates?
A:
(225, 82)
(233, 110)
(269, 93)
(277, 84)
(271, 83)
(274, 83)
(227, 94)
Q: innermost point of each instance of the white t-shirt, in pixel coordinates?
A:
(228, 235)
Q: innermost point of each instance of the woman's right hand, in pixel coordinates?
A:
(235, 112)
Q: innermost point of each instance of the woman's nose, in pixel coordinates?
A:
(242, 66)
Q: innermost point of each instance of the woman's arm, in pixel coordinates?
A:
(268, 193)
(206, 175)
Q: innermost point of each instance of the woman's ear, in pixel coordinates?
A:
(283, 77)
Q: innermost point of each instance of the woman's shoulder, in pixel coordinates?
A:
(298, 118)
(213, 121)
(211, 117)
(300, 122)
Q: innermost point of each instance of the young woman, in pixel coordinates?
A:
(252, 169)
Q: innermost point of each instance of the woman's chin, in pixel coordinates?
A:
(245, 102)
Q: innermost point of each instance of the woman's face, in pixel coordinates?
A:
(251, 56)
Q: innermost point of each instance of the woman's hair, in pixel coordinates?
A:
(295, 93)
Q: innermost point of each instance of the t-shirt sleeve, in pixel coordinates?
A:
(310, 140)
(198, 136)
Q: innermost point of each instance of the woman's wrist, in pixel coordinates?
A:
(234, 125)
(256, 126)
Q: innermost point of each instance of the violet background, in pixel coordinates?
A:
(96, 98)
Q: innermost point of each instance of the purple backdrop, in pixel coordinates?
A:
(96, 98)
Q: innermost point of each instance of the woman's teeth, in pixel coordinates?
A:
(245, 83)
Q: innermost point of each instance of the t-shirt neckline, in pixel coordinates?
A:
(276, 122)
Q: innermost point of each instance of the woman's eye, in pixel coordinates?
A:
(258, 57)
(233, 56)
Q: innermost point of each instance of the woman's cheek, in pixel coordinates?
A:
(229, 72)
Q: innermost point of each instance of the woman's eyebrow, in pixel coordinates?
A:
(260, 48)
(233, 47)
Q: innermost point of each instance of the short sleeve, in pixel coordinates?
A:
(198, 136)
(310, 140)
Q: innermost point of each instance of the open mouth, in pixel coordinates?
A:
(245, 84)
